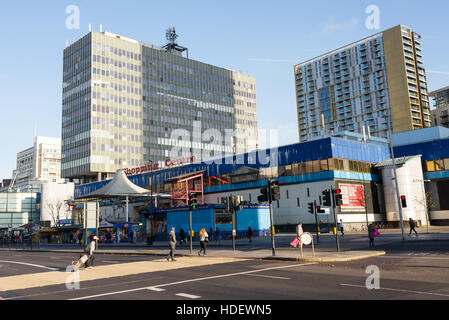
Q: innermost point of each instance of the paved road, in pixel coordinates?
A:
(411, 270)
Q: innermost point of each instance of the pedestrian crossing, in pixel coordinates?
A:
(27, 281)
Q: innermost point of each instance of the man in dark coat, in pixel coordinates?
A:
(172, 244)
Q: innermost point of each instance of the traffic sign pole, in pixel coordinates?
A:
(335, 219)
(234, 224)
(316, 222)
(270, 198)
(190, 231)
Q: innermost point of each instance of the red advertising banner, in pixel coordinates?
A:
(352, 196)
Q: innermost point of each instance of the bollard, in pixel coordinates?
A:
(313, 248)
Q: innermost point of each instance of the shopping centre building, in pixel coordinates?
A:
(360, 166)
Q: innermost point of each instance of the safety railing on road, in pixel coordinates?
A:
(19, 244)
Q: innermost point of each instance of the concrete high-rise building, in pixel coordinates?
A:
(440, 115)
(354, 88)
(123, 101)
(40, 163)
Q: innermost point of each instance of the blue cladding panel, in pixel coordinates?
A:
(429, 150)
(436, 175)
(296, 153)
(257, 219)
(200, 219)
(354, 150)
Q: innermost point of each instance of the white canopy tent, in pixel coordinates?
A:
(122, 188)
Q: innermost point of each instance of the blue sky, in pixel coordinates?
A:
(262, 38)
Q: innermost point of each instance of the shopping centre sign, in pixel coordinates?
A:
(155, 166)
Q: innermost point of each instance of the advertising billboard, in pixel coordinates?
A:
(353, 196)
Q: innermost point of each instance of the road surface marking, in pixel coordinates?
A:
(398, 290)
(107, 261)
(155, 289)
(30, 264)
(108, 294)
(45, 279)
(185, 295)
(265, 276)
(83, 288)
(413, 257)
(194, 280)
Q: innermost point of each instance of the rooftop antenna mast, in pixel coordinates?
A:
(172, 46)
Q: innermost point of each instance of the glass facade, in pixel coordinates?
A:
(363, 85)
(348, 87)
(124, 103)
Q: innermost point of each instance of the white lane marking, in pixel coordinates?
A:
(108, 294)
(413, 257)
(234, 274)
(398, 290)
(107, 261)
(190, 296)
(30, 264)
(84, 288)
(155, 289)
(265, 276)
(193, 280)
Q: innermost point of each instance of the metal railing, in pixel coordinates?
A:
(20, 244)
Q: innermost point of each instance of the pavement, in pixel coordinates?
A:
(353, 246)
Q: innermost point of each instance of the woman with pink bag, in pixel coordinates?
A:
(372, 233)
(297, 239)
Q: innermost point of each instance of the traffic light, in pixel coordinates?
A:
(319, 210)
(310, 205)
(327, 198)
(264, 196)
(275, 190)
(338, 197)
(403, 202)
(227, 202)
(193, 202)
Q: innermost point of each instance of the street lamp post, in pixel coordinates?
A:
(390, 137)
(425, 203)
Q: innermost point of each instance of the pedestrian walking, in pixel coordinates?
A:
(182, 235)
(412, 227)
(172, 244)
(249, 234)
(211, 234)
(341, 227)
(299, 232)
(371, 234)
(217, 234)
(92, 246)
(204, 239)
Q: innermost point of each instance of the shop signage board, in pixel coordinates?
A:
(90, 215)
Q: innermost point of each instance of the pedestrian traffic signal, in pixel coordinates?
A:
(310, 205)
(403, 202)
(193, 202)
(338, 197)
(275, 190)
(327, 198)
(319, 210)
(264, 196)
